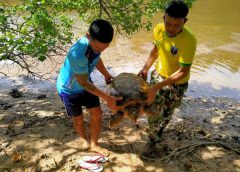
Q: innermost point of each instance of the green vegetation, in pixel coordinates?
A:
(38, 29)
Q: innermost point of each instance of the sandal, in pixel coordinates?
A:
(93, 167)
(97, 158)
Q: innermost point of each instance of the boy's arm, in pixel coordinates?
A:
(101, 68)
(88, 86)
(151, 59)
(178, 75)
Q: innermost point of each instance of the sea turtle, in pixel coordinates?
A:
(133, 90)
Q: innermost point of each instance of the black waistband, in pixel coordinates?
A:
(180, 85)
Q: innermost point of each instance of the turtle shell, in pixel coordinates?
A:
(130, 87)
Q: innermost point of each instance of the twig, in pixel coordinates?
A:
(4, 151)
(196, 156)
(15, 134)
(129, 144)
(55, 162)
(3, 73)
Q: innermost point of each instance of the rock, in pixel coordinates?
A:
(6, 144)
(202, 132)
(42, 96)
(6, 106)
(15, 93)
(204, 120)
(237, 138)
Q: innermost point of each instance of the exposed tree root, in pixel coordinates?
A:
(184, 150)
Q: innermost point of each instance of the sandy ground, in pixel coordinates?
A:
(36, 135)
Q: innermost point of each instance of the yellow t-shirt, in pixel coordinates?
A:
(174, 52)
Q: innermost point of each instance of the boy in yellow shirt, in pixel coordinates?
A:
(174, 50)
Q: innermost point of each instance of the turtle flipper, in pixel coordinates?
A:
(116, 119)
(153, 109)
(133, 111)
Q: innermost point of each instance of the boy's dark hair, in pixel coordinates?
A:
(177, 9)
(101, 30)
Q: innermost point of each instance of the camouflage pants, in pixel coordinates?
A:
(167, 99)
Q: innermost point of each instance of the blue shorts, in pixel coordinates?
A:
(73, 103)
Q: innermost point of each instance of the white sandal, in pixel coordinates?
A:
(93, 167)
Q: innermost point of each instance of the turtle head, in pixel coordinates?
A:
(114, 92)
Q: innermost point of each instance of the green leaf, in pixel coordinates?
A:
(41, 57)
(3, 19)
(1, 10)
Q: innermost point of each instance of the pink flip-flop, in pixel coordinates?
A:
(93, 167)
(97, 158)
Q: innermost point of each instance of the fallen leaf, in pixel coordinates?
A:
(17, 157)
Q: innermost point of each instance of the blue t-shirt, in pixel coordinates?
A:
(76, 62)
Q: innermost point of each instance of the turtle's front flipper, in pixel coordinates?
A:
(116, 119)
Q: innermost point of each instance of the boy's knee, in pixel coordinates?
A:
(97, 114)
(78, 120)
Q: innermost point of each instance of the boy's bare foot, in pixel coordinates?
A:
(85, 144)
(100, 150)
(79, 143)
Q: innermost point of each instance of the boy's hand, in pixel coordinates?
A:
(152, 91)
(111, 101)
(143, 74)
(108, 79)
(151, 95)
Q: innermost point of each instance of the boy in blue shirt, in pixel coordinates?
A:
(74, 83)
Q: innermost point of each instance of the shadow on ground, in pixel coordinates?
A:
(36, 135)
